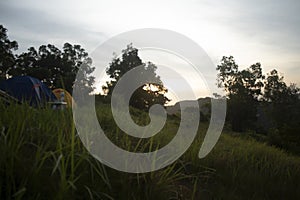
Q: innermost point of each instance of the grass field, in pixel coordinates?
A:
(42, 158)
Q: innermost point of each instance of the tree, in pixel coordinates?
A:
(282, 98)
(7, 58)
(243, 91)
(57, 68)
(248, 81)
(284, 110)
(276, 89)
(146, 95)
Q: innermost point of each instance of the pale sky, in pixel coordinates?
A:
(266, 31)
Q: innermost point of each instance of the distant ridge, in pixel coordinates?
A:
(203, 105)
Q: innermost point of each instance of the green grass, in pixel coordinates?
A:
(41, 157)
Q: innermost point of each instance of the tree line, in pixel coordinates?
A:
(55, 67)
(263, 103)
(256, 101)
(58, 68)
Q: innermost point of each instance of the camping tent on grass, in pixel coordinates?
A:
(28, 89)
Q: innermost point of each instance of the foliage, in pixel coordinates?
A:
(147, 94)
(7, 58)
(262, 103)
(57, 68)
(54, 67)
(276, 89)
(284, 110)
(243, 90)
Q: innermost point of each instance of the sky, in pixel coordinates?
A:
(265, 31)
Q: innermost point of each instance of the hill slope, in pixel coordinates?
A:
(40, 156)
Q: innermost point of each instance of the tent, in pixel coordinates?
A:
(28, 89)
(59, 93)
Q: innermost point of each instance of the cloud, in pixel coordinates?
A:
(32, 27)
(265, 31)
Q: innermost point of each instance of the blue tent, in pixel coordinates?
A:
(28, 89)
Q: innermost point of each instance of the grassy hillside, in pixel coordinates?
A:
(42, 158)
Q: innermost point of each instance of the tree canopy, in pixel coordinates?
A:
(256, 100)
(243, 90)
(7, 57)
(146, 95)
(53, 66)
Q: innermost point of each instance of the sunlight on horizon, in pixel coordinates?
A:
(267, 33)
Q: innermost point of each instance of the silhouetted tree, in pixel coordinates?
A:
(57, 68)
(284, 109)
(243, 91)
(146, 95)
(283, 100)
(7, 58)
(275, 88)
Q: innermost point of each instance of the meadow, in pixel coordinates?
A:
(41, 157)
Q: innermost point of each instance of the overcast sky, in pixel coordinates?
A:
(266, 31)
